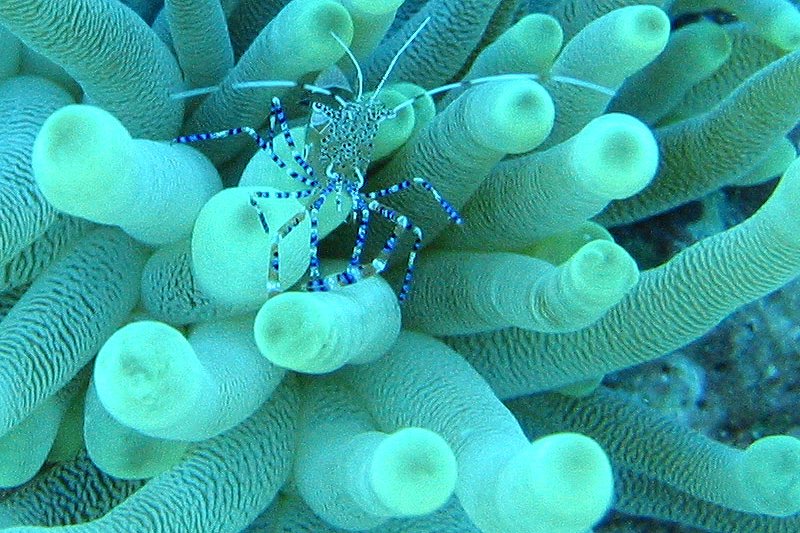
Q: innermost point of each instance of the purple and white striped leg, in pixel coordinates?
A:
(449, 210)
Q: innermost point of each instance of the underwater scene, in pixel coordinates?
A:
(446, 266)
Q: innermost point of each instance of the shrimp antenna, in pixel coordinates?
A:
(199, 91)
(194, 92)
(359, 74)
(259, 84)
(396, 57)
(504, 77)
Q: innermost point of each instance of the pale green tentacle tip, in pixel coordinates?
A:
(558, 248)
(778, 21)
(634, 35)
(770, 471)
(145, 374)
(413, 472)
(563, 483)
(601, 273)
(645, 26)
(321, 331)
(293, 330)
(549, 32)
(511, 117)
(782, 26)
(710, 41)
(76, 150)
(615, 155)
(312, 23)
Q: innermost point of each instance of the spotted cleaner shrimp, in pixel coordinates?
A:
(346, 136)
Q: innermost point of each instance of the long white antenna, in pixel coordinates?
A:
(504, 77)
(261, 84)
(397, 57)
(242, 85)
(359, 74)
(194, 92)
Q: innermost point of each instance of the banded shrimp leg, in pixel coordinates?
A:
(307, 177)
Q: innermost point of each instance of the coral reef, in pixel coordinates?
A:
(598, 347)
